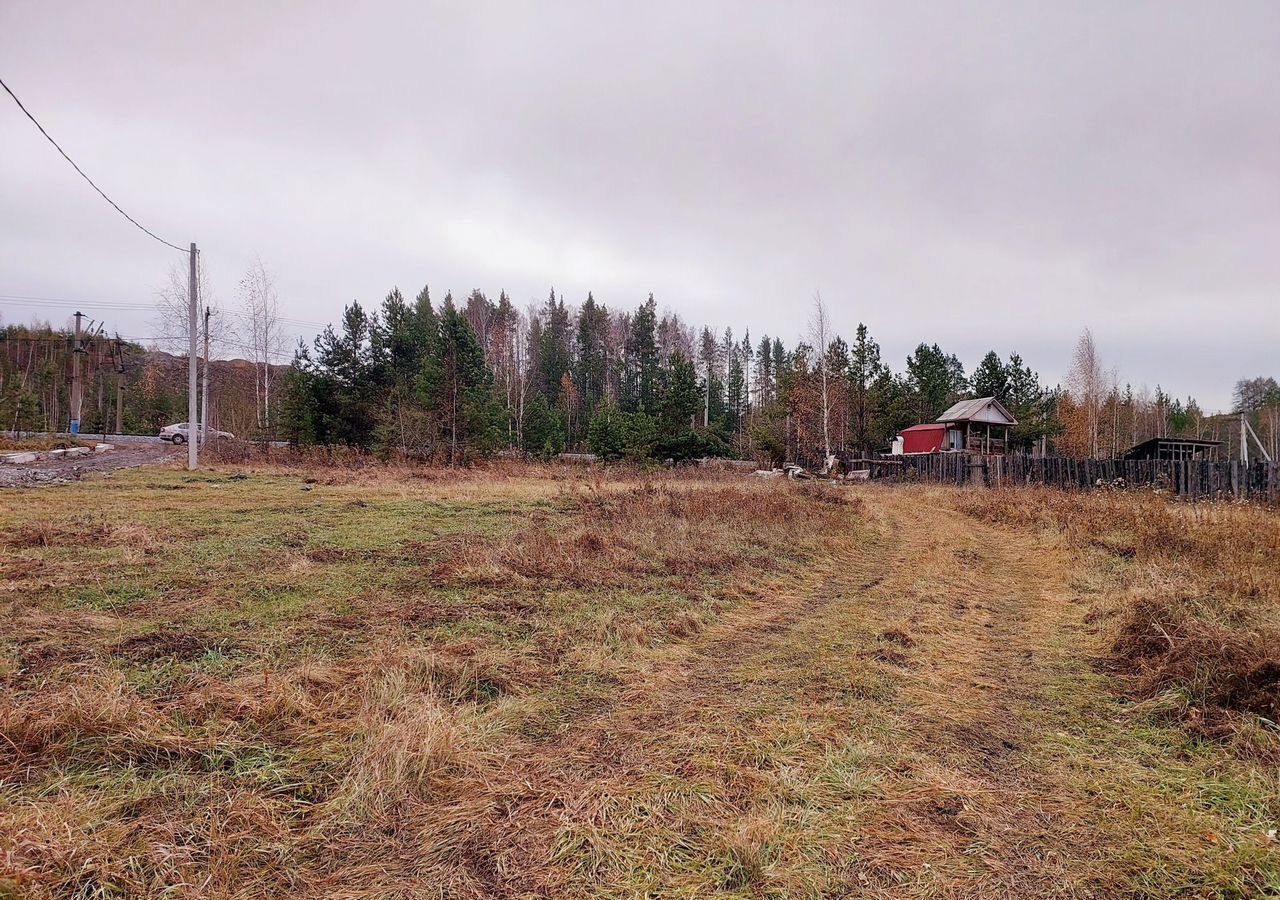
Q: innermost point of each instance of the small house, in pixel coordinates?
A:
(927, 438)
(978, 426)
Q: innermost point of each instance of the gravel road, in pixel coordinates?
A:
(144, 452)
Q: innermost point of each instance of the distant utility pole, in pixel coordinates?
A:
(1244, 423)
(119, 359)
(192, 307)
(204, 384)
(77, 388)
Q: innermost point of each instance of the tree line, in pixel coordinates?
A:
(459, 379)
(454, 380)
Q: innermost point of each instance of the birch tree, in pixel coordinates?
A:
(820, 339)
(261, 308)
(1085, 380)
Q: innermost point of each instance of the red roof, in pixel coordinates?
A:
(926, 427)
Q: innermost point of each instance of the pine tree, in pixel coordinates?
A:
(865, 369)
(642, 359)
(708, 361)
(681, 398)
(606, 435)
(764, 373)
(343, 381)
(456, 388)
(937, 379)
(735, 385)
(591, 367)
(401, 339)
(991, 378)
(555, 354)
(543, 428)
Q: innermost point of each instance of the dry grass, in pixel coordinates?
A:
(362, 681)
(308, 698)
(1199, 589)
(616, 537)
(10, 444)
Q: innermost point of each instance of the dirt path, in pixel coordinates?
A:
(908, 719)
(64, 471)
(986, 612)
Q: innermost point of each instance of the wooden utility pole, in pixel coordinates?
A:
(77, 388)
(204, 384)
(119, 354)
(1262, 448)
(192, 306)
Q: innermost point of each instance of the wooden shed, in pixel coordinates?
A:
(980, 425)
(1173, 448)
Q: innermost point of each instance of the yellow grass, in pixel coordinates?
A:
(533, 681)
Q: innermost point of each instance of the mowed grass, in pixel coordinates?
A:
(543, 681)
(213, 680)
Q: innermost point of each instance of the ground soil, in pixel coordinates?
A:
(62, 471)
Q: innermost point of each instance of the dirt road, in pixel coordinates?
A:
(62, 471)
(918, 718)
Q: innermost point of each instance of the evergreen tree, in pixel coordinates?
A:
(555, 354)
(544, 431)
(1034, 407)
(991, 378)
(591, 368)
(781, 361)
(865, 369)
(681, 396)
(299, 401)
(894, 407)
(340, 383)
(937, 379)
(764, 386)
(401, 340)
(641, 392)
(456, 388)
(735, 385)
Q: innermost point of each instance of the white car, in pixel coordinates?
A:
(180, 431)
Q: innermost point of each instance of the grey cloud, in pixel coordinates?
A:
(980, 174)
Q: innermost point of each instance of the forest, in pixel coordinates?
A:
(454, 381)
(482, 376)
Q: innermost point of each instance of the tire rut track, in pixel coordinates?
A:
(561, 781)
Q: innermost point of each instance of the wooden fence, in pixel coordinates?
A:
(1192, 479)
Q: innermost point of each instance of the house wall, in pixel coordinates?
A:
(925, 440)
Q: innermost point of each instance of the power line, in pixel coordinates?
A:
(88, 304)
(135, 306)
(81, 171)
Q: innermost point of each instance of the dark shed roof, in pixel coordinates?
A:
(1171, 448)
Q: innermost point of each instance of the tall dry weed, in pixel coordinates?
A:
(1200, 588)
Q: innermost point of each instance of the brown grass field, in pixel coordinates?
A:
(545, 682)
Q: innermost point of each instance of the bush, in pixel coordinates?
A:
(692, 444)
(613, 434)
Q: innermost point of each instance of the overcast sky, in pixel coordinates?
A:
(986, 175)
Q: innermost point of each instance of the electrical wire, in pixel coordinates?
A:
(136, 306)
(84, 176)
